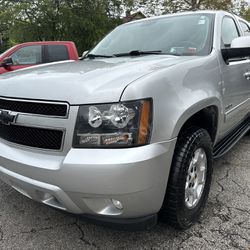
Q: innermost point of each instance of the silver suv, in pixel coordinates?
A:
(130, 131)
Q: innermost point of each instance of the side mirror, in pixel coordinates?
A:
(85, 53)
(241, 42)
(7, 62)
(240, 48)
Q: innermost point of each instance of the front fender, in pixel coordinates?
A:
(179, 92)
(191, 111)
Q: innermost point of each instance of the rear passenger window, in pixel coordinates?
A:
(245, 28)
(229, 31)
(57, 53)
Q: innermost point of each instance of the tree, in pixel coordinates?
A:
(246, 14)
(86, 21)
(83, 21)
(244, 10)
(186, 5)
(148, 7)
(157, 7)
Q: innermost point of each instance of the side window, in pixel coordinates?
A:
(27, 55)
(229, 31)
(245, 28)
(57, 53)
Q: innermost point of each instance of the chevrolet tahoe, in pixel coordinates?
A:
(129, 133)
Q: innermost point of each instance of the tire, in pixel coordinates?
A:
(180, 207)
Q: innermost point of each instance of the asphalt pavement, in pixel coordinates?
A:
(225, 224)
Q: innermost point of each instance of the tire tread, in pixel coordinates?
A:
(183, 151)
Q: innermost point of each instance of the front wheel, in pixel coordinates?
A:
(190, 179)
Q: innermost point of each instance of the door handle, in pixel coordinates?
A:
(247, 75)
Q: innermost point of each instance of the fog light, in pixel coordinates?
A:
(117, 204)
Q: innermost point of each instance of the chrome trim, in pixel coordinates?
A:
(38, 101)
(237, 106)
(242, 61)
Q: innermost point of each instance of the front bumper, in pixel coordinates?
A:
(86, 180)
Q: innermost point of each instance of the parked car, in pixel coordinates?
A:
(131, 131)
(33, 53)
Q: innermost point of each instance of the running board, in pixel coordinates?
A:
(231, 139)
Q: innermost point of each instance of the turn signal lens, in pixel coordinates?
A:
(145, 123)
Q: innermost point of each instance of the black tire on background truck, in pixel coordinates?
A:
(189, 180)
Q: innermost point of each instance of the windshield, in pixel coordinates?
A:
(181, 35)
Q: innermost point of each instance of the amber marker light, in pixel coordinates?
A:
(145, 122)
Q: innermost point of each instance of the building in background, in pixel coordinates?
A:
(133, 17)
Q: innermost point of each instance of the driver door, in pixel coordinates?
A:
(25, 57)
(236, 84)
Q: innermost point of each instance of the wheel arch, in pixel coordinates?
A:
(205, 114)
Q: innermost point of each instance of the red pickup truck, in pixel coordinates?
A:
(33, 53)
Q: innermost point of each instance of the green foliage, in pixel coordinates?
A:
(83, 21)
(246, 14)
(187, 5)
(86, 21)
(157, 7)
(245, 11)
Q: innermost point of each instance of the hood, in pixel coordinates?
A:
(82, 82)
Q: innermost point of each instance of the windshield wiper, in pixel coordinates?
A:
(139, 53)
(131, 53)
(93, 56)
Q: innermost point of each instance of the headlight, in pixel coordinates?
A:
(121, 124)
